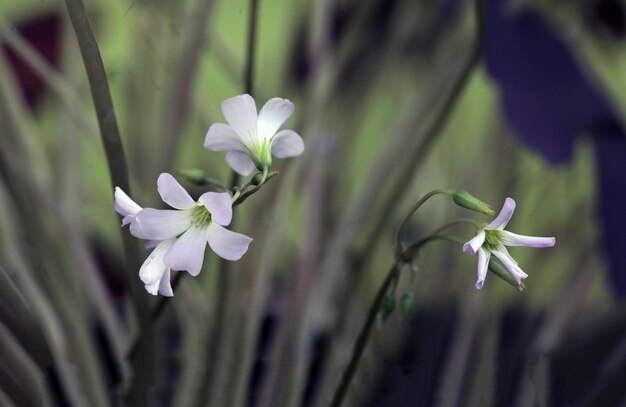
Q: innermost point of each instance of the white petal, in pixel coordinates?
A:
(221, 137)
(227, 244)
(240, 162)
(287, 143)
(473, 245)
(220, 206)
(153, 288)
(503, 249)
(172, 193)
(483, 263)
(240, 113)
(153, 268)
(128, 219)
(273, 114)
(159, 224)
(188, 251)
(517, 273)
(504, 216)
(124, 205)
(165, 286)
(513, 239)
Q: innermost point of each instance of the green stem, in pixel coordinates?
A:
(364, 335)
(414, 209)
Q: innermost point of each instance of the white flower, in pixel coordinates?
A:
(250, 139)
(492, 239)
(153, 273)
(183, 233)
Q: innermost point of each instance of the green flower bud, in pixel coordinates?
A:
(406, 303)
(199, 177)
(468, 201)
(387, 307)
(497, 268)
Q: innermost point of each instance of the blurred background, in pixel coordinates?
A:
(393, 98)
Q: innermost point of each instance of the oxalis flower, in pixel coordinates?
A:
(181, 235)
(492, 239)
(250, 139)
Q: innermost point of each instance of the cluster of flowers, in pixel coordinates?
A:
(179, 236)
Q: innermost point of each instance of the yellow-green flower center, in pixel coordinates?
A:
(200, 216)
(261, 154)
(493, 239)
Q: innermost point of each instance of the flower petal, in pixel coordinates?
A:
(504, 216)
(273, 114)
(124, 205)
(220, 206)
(503, 249)
(287, 143)
(240, 162)
(240, 113)
(517, 273)
(188, 251)
(473, 245)
(165, 286)
(227, 244)
(221, 137)
(153, 268)
(172, 193)
(513, 239)
(159, 224)
(483, 263)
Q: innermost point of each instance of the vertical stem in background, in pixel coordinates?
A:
(118, 168)
(177, 104)
(215, 352)
(364, 335)
(421, 150)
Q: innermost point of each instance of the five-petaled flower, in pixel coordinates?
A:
(182, 234)
(492, 239)
(250, 139)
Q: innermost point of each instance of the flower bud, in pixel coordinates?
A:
(387, 307)
(406, 303)
(198, 177)
(468, 201)
(497, 268)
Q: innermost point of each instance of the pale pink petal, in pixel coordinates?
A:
(153, 268)
(159, 224)
(513, 239)
(483, 263)
(227, 244)
(473, 245)
(165, 286)
(240, 113)
(504, 216)
(221, 137)
(220, 206)
(172, 193)
(287, 143)
(517, 273)
(188, 251)
(151, 244)
(273, 114)
(124, 205)
(240, 162)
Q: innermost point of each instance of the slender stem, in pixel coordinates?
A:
(412, 250)
(364, 335)
(414, 209)
(218, 330)
(118, 168)
(420, 152)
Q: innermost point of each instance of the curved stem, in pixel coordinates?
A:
(364, 335)
(414, 209)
